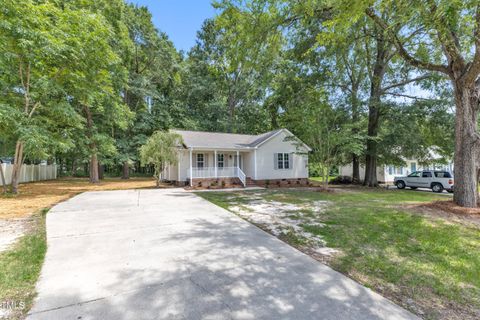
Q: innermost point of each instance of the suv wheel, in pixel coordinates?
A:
(437, 187)
(400, 184)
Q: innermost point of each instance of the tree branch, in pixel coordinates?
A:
(473, 69)
(408, 96)
(405, 82)
(33, 109)
(400, 47)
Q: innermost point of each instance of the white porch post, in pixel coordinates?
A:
(191, 169)
(255, 164)
(238, 161)
(215, 161)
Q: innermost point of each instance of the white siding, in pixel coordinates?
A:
(348, 171)
(248, 164)
(265, 159)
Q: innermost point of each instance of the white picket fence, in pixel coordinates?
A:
(29, 173)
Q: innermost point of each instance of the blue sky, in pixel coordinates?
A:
(179, 19)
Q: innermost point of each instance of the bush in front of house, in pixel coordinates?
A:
(341, 180)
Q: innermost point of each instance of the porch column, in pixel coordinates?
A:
(215, 161)
(191, 169)
(255, 164)
(238, 161)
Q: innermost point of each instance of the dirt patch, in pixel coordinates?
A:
(12, 229)
(37, 195)
(448, 210)
(286, 221)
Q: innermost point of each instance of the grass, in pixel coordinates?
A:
(427, 264)
(44, 194)
(320, 179)
(20, 267)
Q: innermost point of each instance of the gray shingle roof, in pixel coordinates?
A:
(219, 140)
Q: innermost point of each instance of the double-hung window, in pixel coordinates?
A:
(220, 160)
(200, 160)
(283, 161)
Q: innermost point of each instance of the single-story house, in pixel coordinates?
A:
(212, 158)
(387, 173)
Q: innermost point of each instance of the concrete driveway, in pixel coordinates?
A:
(169, 254)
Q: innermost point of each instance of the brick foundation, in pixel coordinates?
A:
(215, 183)
(220, 183)
(275, 183)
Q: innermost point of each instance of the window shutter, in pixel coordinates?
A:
(205, 159)
(290, 161)
(275, 161)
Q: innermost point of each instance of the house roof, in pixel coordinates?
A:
(219, 140)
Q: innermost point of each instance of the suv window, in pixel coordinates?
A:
(426, 174)
(442, 174)
(415, 174)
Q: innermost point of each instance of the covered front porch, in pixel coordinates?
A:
(217, 164)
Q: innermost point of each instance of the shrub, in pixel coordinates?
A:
(341, 180)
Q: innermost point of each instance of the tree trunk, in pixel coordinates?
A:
(466, 144)
(92, 145)
(101, 171)
(371, 156)
(381, 62)
(126, 171)
(355, 130)
(94, 168)
(356, 169)
(74, 166)
(17, 166)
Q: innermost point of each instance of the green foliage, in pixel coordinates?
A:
(160, 150)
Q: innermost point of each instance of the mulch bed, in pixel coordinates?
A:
(451, 207)
(450, 211)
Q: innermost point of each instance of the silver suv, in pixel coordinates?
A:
(435, 180)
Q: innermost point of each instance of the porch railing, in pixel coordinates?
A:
(220, 172)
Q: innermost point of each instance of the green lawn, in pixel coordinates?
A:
(428, 265)
(320, 179)
(20, 267)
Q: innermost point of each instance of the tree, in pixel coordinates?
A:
(94, 82)
(33, 57)
(308, 28)
(160, 150)
(152, 63)
(443, 37)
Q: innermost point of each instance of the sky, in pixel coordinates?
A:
(179, 19)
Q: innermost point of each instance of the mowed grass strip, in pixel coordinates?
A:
(427, 264)
(20, 268)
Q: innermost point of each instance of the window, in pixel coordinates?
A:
(391, 169)
(415, 175)
(413, 166)
(442, 174)
(200, 160)
(283, 161)
(426, 174)
(399, 170)
(220, 160)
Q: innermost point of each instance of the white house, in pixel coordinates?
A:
(224, 158)
(386, 174)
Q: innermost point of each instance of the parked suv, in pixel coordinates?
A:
(435, 180)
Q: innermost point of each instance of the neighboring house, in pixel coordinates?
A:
(387, 174)
(208, 158)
